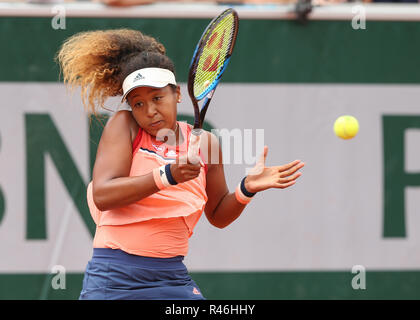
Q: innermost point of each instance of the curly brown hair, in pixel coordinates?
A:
(98, 61)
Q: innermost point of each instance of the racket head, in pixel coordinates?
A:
(212, 55)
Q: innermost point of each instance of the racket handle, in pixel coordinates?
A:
(194, 146)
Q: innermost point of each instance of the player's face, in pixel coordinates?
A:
(154, 108)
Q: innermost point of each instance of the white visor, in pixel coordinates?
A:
(147, 77)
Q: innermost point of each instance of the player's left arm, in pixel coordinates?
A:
(222, 207)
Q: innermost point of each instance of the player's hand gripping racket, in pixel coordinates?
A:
(209, 61)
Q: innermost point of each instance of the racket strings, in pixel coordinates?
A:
(214, 54)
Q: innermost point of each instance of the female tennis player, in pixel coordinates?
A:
(145, 196)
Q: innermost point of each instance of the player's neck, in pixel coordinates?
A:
(167, 139)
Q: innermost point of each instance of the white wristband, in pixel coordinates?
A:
(163, 177)
(242, 195)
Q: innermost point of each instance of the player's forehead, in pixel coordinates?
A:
(142, 92)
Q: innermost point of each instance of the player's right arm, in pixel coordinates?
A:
(112, 186)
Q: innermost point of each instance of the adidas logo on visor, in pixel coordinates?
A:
(139, 76)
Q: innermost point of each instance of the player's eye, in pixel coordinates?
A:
(138, 104)
(157, 98)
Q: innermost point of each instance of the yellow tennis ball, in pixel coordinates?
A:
(346, 127)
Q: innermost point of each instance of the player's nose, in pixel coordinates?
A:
(151, 109)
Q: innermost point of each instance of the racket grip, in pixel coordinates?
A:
(194, 146)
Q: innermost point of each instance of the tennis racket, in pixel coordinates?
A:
(209, 62)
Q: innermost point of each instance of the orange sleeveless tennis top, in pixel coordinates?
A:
(161, 224)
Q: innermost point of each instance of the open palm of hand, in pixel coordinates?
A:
(261, 177)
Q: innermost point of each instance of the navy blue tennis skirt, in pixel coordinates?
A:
(116, 275)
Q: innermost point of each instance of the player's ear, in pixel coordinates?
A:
(178, 94)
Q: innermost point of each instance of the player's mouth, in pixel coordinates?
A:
(156, 124)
